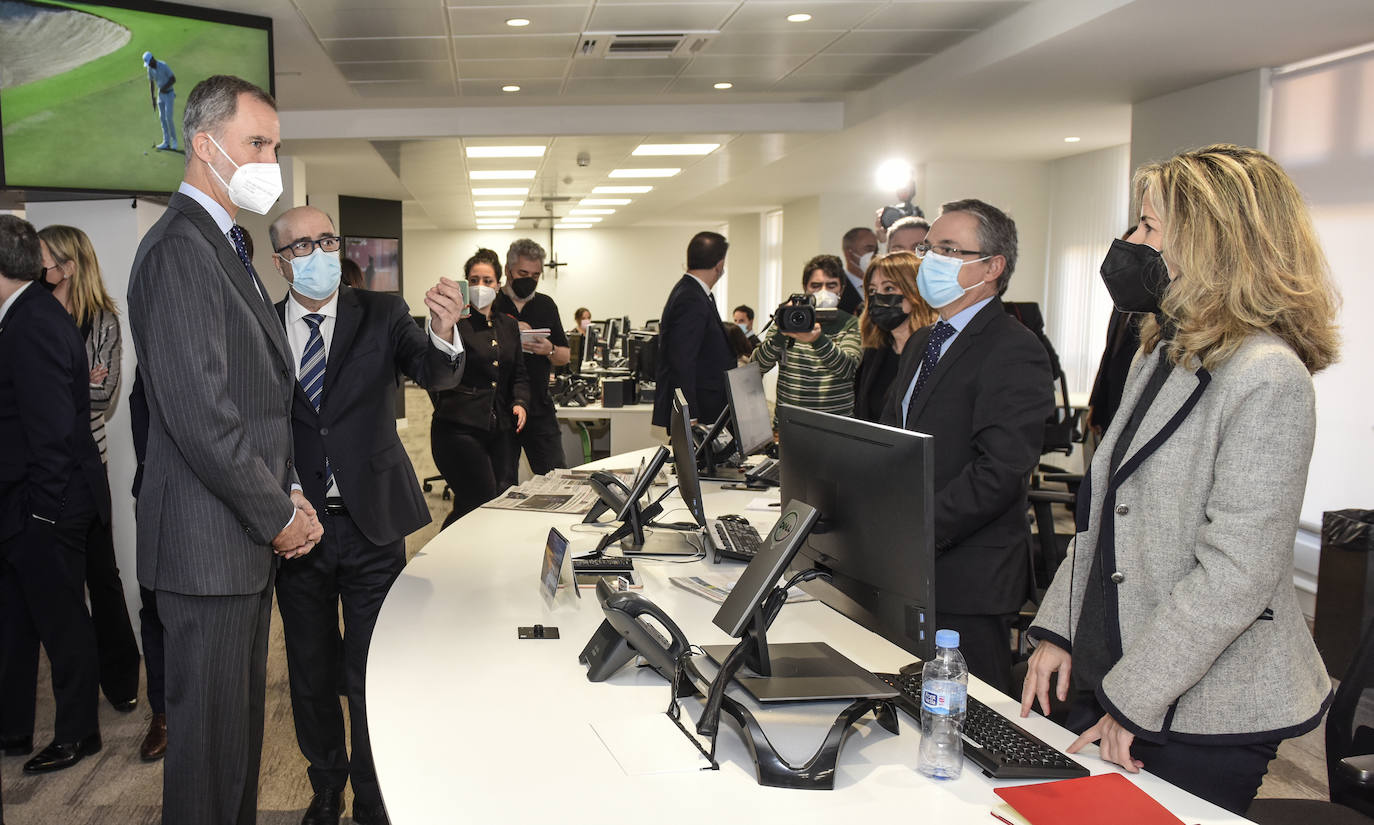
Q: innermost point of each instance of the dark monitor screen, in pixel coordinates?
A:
(873, 486)
(750, 420)
(684, 458)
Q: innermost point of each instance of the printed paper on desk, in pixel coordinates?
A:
(648, 743)
(1091, 800)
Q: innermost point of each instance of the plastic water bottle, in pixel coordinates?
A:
(944, 697)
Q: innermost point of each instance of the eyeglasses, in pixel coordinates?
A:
(940, 249)
(301, 248)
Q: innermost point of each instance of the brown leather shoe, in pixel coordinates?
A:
(154, 745)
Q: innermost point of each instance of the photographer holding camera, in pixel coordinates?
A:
(816, 343)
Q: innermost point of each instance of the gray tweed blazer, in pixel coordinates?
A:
(1196, 533)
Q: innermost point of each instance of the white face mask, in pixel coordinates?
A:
(253, 186)
(864, 260)
(481, 296)
(825, 299)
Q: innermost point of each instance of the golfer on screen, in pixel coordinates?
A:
(160, 82)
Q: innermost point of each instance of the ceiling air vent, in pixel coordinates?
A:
(639, 45)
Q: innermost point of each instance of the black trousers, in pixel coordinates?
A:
(542, 442)
(345, 568)
(1228, 776)
(154, 655)
(985, 642)
(216, 693)
(43, 600)
(114, 633)
(476, 465)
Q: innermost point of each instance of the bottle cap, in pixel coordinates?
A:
(946, 638)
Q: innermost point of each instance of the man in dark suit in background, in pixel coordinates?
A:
(693, 352)
(859, 245)
(979, 382)
(351, 348)
(52, 489)
(220, 498)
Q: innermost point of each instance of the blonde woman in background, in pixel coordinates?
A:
(894, 309)
(71, 270)
(1175, 615)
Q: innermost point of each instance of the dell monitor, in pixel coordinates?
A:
(684, 458)
(750, 422)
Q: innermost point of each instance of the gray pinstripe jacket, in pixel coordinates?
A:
(218, 378)
(1196, 533)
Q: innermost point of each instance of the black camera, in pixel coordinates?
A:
(894, 213)
(797, 314)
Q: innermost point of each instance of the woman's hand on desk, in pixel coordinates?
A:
(1047, 659)
(1113, 743)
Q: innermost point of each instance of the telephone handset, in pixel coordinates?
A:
(626, 633)
(605, 484)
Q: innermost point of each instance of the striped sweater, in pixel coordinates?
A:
(819, 375)
(103, 346)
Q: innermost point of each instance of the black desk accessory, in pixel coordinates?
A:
(538, 631)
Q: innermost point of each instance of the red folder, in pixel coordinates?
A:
(1092, 800)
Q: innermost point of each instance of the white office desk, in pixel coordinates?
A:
(470, 724)
(631, 426)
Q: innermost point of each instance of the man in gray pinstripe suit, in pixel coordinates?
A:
(220, 498)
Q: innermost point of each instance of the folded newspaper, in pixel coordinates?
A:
(716, 588)
(558, 491)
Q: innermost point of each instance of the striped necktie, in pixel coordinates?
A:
(236, 237)
(312, 374)
(930, 357)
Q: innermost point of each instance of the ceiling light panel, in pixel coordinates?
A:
(674, 149)
(667, 172)
(498, 213)
(621, 190)
(604, 202)
(501, 174)
(471, 18)
(483, 204)
(587, 212)
(482, 191)
(826, 17)
(505, 151)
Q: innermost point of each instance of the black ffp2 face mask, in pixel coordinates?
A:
(1135, 276)
(523, 287)
(886, 311)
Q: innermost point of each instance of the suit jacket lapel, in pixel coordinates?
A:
(1176, 400)
(346, 322)
(961, 344)
(300, 391)
(238, 275)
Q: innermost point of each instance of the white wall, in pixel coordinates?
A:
(1230, 110)
(742, 264)
(801, 239)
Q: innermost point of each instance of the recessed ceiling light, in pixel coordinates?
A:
(798, 18)
(603, 202)
(589, 212)
(644, 173)
(501, 174)
(481, 204)
(621, 190)
(724, 85)
(520, 21)
(1072, 139)
(505, 151)
(510, 88)
(501, 190)
(665, 149)
(498, 213)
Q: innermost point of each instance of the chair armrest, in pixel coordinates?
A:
(1359, 769)
(1051, 496)
(1063, 478)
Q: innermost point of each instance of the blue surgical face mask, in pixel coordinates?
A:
(938, 279)
(744, 328)
(316, 275)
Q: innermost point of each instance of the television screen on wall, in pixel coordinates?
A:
(379, 259)
(92, 94)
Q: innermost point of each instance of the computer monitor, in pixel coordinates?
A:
(589, 341)
(873, 486)
(684, 458)
(575, 352)
(751, 423)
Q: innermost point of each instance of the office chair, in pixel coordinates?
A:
(1063, 427)
(427, 484)
(1349, 755)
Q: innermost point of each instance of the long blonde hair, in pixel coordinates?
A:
(899, 268)
(88, 294)
(1238, 233)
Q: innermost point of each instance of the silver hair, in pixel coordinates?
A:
(996, 233)
(524, 248)
(213, 102)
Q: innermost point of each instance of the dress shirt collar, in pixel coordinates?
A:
(858, 282)
(9, 302)
(961, 318)
(220, 215)
(704, 287)
(295, 312)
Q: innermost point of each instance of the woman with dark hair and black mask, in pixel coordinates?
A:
(894, 309)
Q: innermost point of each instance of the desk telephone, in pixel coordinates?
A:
(626, 633)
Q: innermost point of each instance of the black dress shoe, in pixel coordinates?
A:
(126, 706)
(17, 745)
(324, 809)
(369, 813)
(58, 756)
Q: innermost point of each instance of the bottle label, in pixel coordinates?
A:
(943, 697)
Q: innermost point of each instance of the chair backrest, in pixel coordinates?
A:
(1061, 428)
(1350, 725)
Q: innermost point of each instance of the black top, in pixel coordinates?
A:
(1123, 339)
(873, 382)
(494, 377)
(693, 354)
(540, 312)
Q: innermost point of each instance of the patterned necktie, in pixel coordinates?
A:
(236, 235)
(312, 374)
(930, 357)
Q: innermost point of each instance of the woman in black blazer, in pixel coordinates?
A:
(473, 432)
(893, 311)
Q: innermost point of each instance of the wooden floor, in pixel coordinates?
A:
(115, 788)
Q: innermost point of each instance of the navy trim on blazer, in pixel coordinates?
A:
(1041, 634)
(1249, 738)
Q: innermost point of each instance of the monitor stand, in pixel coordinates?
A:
(660, 541)
(806, 671)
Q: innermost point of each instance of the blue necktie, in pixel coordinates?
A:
(236, 235)
(312, 374)
(930, 357)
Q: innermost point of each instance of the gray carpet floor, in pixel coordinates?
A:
(115, 788)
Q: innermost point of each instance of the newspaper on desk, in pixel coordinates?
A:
(558, 491)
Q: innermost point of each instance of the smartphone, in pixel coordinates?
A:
(463, 288)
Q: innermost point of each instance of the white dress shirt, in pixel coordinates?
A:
(959, 320)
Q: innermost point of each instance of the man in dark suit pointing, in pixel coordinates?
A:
(220, 500)
(979, 382)
(350, 347)
(693, 352)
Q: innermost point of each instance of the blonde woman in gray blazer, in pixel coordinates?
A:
(1175, 613)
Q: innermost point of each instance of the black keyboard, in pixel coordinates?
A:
(1000, 748)
(736, 540)
(769, 471)
(604, 564)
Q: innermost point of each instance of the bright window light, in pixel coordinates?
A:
(501, 190)
(498, 213)
(892, 174)
(505, 151)
(619, 190)
(483, 204)
(643, 173)
(590, 212)
(668, 149)
(604, 202)
(501, 174)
